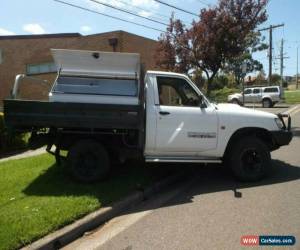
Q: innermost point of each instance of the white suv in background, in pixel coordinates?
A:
(267, 96)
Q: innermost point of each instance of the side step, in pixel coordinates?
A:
(182, 159)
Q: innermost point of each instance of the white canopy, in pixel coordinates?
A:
(97, 63)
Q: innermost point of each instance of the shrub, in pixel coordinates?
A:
(220, 81)
(221, 95)
(10, 142)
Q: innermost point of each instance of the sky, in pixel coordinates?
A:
(47, 16)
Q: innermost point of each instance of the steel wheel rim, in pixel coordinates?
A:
(251, 160)
(87, 164)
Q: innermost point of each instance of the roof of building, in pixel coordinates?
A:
(59, 35)
(40, 36)
(121, 31)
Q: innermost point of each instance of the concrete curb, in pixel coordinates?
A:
(24, 154)
(75, 230)
(293, 109)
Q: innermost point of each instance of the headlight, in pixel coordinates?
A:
(279, 123)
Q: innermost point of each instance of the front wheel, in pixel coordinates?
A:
(235, 101)
(88, 161)
(250, 159)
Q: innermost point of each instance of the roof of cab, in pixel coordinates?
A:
(154, 72)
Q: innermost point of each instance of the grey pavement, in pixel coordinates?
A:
(214, 211)
(278, 108)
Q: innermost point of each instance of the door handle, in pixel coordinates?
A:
(164, 112)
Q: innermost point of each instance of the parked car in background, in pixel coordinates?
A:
(267, 96)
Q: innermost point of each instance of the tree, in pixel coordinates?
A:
(220, 33)
(261, 77)
(198, 78)
(220, 81)
(171, 53)
(234, 65)
(275, 79)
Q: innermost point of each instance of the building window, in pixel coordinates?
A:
(1, 56)
(41, 68)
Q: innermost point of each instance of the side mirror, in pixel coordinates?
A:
(201, 102)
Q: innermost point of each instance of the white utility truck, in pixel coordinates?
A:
(103, 107)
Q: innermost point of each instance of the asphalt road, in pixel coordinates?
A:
(213, 210)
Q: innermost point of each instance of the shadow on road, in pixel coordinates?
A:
(210, 179)
(217, 178)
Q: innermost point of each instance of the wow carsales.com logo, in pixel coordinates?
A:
(271, 240)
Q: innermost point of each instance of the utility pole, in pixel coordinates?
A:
(297, 70)
(271, 46)
(281, 58)
(281, 62)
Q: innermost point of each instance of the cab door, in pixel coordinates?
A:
(248, 95)
(256, 95)
(182, 126)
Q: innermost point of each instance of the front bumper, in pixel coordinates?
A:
(284, 136)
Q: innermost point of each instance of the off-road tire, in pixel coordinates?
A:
(88, 161)
(249, 159)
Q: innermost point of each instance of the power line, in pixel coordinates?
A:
(177, 8)
(103, 14)
(200, 1)
(128, 12)
(118, 18)
(155, 13)
(142, 9)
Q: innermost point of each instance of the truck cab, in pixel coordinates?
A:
(103, 107)
(180, 120)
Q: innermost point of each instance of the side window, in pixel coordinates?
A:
(34, 69)
(248, 91)
(96, 86)
(256, 91)
(176, 92)
(270, 90)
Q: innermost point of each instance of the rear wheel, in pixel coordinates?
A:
(88, 161)
(250, 159)
(266, 103)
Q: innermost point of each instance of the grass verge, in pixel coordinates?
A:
(292, 97)
(38, 197)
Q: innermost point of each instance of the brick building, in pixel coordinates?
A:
(30, 55)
